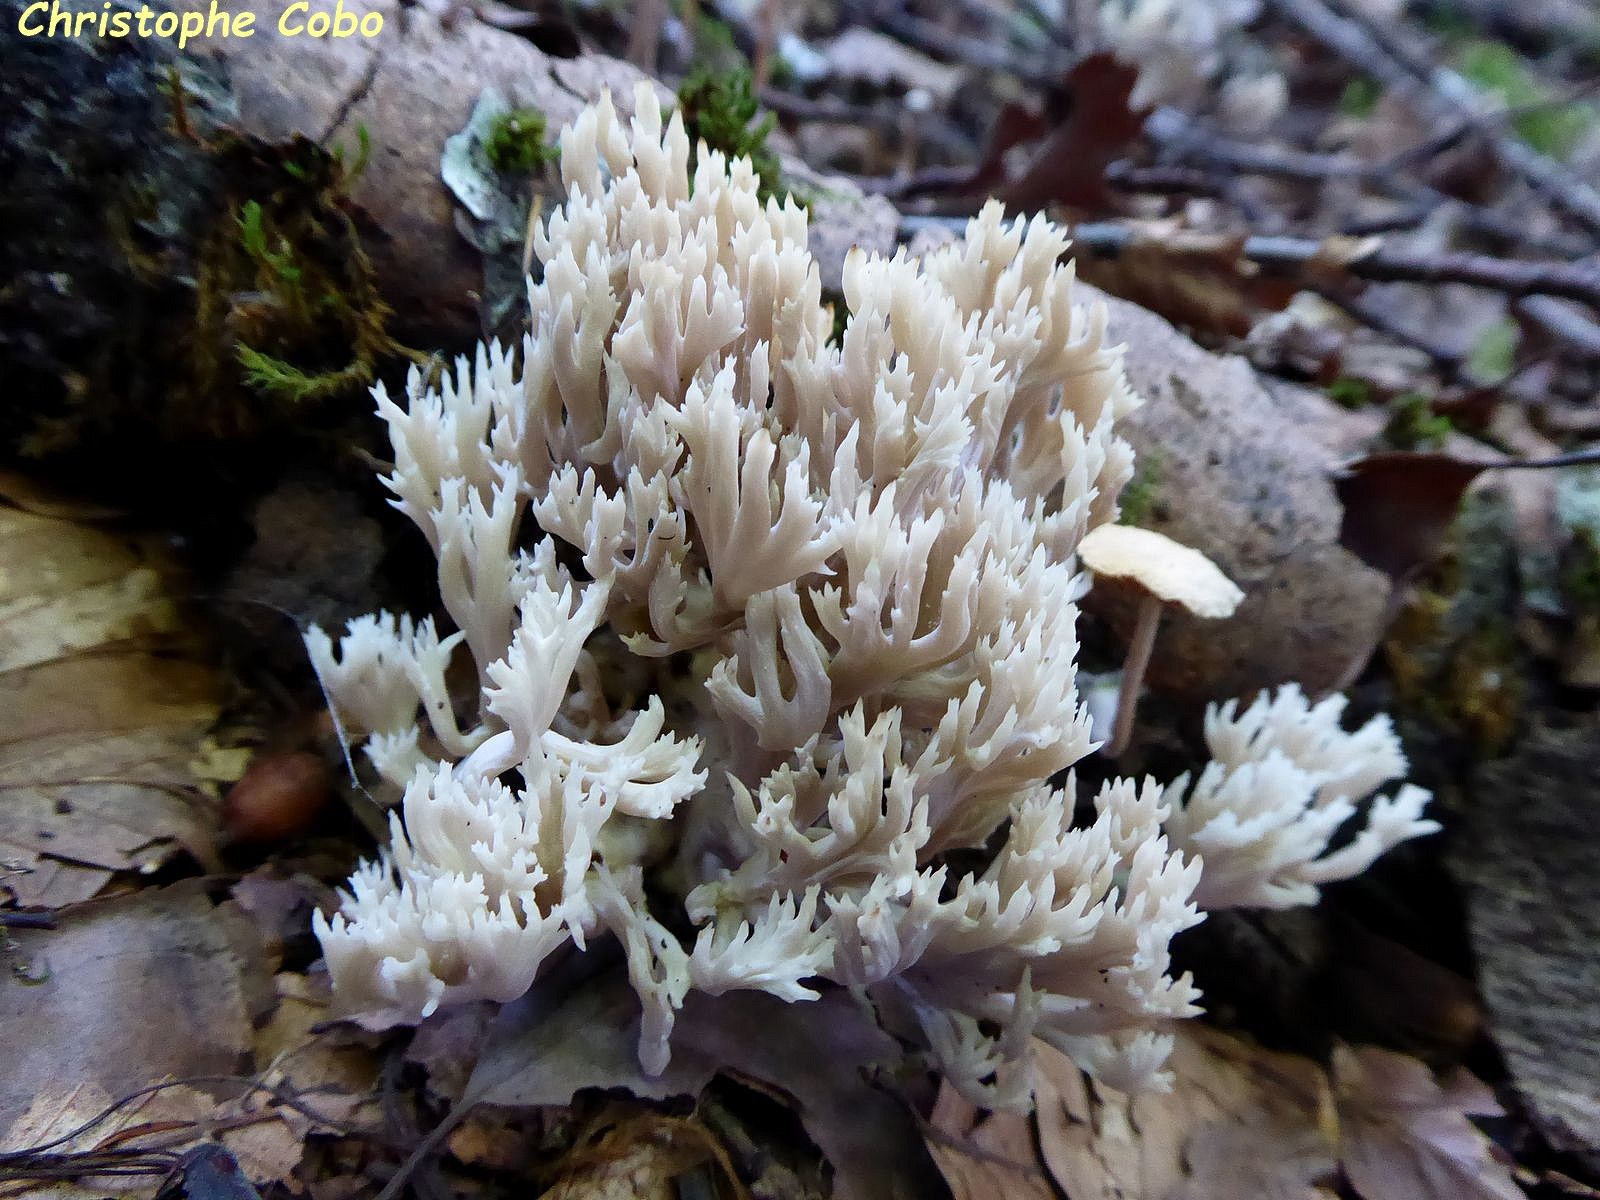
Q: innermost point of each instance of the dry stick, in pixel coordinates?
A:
(1181, 135)
(932, 127)
(1329, 263)
(1368, 259)
(1380, 320)
(1557, 318)
(1386, 264)
(766, 43)
(1538, 25)
(985, 55)
(1442, 96)
(27, 920)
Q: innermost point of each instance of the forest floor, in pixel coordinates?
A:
(1389, 211)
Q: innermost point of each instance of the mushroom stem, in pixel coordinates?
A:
(1139, 648)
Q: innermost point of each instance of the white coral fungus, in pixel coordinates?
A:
(1283, 779)
(810, 629)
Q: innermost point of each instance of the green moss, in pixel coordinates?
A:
(363, 155)
(720, 109)
(1580, 572)
(1551, 128)
(286, 286)
(516, 142)
(1138, 500)
(1349, 392)
(1453, 653)
(1485, 677)
(1360, 97)
(1413, 425)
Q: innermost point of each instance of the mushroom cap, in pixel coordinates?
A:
(1175, 573)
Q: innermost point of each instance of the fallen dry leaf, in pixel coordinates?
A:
(1239, 1121)
(579, 1032)
(103, 717)
(1069, 165)
(1064, 151)
(102, 1046)
(982, 1155)
(1406, 1136)
(1201, 281)
(629, 1153)
(332, 1068)
(112, 976)
(1399, 505)
(252, 1143)
(27, 493)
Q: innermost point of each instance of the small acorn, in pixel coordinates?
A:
(276, 799)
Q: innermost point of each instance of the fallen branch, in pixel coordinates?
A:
(11, 919)
(1367, 259)
(1186, 139)
(1443, 97)
(984, 55)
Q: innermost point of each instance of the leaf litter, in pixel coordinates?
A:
(107, 700)
(1239, 1120)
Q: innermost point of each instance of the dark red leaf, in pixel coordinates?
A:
(1070, 151)
(1069, 166)
(1399, 506)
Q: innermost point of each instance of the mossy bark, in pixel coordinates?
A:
(108, 184)
(174, 283)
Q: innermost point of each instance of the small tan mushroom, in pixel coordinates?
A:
(1164, 572)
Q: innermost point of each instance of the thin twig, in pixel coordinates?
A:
(1182, 136)
(1443, 97)
(1377, 318)
(27, 920)
(1368, 259)
(1561, 320)
(974, 52)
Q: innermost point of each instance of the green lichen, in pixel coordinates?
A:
(1495, 353)
(516, 145)
(720, 109)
